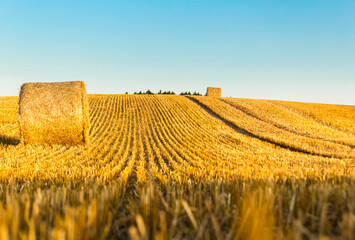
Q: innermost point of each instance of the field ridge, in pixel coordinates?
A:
(246, 132)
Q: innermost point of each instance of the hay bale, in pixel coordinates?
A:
(54, 113)
(214, 92)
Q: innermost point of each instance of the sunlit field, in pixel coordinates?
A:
(176, 167)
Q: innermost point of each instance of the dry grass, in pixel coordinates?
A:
(54, 113)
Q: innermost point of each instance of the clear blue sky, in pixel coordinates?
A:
(301, 50)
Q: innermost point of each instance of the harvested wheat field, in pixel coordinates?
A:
(175, 167)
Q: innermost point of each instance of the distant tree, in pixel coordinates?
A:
(160, 92)
(189, 93)
(148, 92)
(126, 93)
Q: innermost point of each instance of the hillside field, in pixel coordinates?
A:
(184, 167)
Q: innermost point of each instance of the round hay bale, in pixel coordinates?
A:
(54, 113)
(214, 92)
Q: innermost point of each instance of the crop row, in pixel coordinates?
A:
(263, 129)
(163, 138)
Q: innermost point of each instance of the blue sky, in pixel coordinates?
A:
(300, 50)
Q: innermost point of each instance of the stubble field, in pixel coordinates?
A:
(174, 167)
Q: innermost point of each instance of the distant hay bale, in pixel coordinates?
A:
(214, 92)
(54, 113)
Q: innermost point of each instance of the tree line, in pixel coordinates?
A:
(148, 92)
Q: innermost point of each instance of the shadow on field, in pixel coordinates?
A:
(6, 140)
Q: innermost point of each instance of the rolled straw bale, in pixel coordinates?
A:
(214, 92)
(54, 113)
